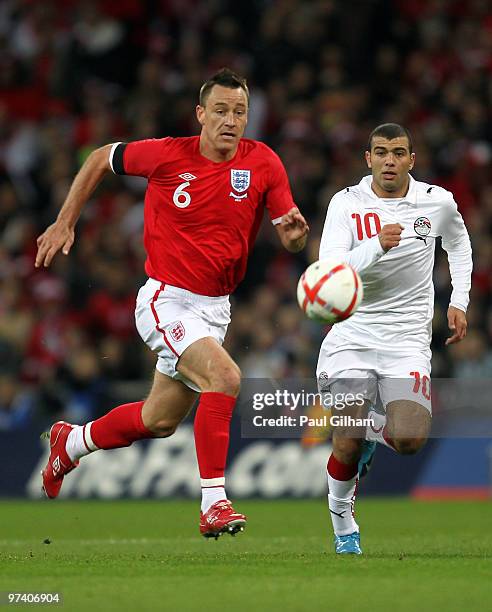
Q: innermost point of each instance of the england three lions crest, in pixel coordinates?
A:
(177, 331)
(240, 180)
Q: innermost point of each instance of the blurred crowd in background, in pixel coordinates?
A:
(78, 74)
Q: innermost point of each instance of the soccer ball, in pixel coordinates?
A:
(329, 291)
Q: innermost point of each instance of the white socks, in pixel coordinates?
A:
(374, 432)
(79, 442)
(341, 498)
(210, 495)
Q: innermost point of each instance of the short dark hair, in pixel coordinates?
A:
(390, 131)
(226, 78)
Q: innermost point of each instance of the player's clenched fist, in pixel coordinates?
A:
(390, 236)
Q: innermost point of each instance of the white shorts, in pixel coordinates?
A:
(170, 319)
(395, 374)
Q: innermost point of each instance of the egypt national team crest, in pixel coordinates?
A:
(422, 227)
(240, 181)
(177, 331)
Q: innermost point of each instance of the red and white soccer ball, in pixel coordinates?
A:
(329, 291)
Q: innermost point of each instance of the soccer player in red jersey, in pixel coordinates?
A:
(203, 207)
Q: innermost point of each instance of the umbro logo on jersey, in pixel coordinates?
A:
(187, 176)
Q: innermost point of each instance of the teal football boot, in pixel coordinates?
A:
(348, 544)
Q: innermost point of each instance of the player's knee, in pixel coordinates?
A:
(408, 446)
(346, 449)
(227, 380)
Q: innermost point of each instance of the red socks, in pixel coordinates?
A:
(123, 425)
(120, 427)
(212, 422)
(341, 471)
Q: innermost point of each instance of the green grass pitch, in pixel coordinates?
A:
(148, 555)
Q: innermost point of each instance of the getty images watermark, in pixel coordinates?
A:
(312, 407)
(295, 410)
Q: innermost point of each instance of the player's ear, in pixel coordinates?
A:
(200, 114)
(368, 159)
(412, 160)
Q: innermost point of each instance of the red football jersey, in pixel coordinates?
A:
(201, 217)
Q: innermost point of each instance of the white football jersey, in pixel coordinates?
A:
(398, 302)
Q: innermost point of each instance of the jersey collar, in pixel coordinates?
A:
(410, 198)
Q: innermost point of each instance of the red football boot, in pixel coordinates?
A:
(221, 518)
(59, 463)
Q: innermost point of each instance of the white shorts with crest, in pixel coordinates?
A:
(392, 374)
(169, 319)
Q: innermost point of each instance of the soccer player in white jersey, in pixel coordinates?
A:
(386, 228)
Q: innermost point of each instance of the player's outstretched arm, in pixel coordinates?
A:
(293, 230)
(456, 243)
(61, 234)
